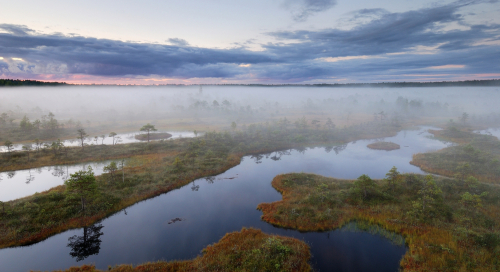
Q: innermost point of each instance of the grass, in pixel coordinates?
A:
(247, 250)
(451, 234)
(153, 168)
(388, 146)
(477, 155)
(153, 136)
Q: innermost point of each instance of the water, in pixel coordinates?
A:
(121, 138)
(21, 183)
(212, 207)
(490, 131)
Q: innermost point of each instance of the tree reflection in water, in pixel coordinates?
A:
(86, 245)
(30, 177)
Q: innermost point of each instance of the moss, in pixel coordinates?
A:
(388, 146)
(247, 250)
(447, 237)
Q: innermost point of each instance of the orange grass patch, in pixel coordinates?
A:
(388, 146)
(247, 250)
(429, 248)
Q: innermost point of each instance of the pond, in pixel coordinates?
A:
(490, 131)
(120, 138)
(21, 183)
(211, 207)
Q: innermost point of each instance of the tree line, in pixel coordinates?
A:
(27, 82)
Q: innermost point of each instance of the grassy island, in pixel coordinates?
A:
(387, 146)
(449, 225)
(247, 250)
(473, 154)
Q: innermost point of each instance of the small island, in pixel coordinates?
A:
(153, 136)
(388, 146)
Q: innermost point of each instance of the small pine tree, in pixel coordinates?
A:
(83, 185)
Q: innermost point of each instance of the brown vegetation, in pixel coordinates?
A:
(153, 168)
(388, 146)
(247, 250)
(479, 153)
(449, 235)
(153, 136)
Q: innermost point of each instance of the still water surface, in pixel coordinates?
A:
(212, 207)
(21, 183)
(490, 131)
(121, 138)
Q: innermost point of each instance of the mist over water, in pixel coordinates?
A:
(111, 104)
(141, 232)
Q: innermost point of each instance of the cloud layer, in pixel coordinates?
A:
(386, 46)
(302, 9)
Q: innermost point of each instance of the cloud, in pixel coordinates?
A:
(178, 42)
(19, 30)
(330, 59)
(389, 33)
(387, 44)
(448, 66)
(302, 9)
(82, 55)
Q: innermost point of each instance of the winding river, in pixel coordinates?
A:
(211, 207)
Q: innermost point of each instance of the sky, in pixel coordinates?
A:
(254, 41)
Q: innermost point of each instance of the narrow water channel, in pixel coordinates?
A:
(121, 138)
(211, 207)
(21, 183)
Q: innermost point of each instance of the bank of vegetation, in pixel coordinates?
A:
(472, 155)
(448, 224)
(153, 168)
(247, 250)
(153, 136)
(387, 146)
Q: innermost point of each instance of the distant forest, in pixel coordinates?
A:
(489, 82)
(465, 83)
(17, 82)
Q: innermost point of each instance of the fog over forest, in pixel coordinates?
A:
(107, 105)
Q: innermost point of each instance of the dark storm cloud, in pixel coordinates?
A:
(390, 43)
(302, 9)
(92, 56)
(390, 33)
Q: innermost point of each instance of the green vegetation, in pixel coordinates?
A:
(449, 225)
(153, 168)
(154, 136)
(247, 250)
(476, 155)
(18, 82)
(45, 128)
(388, 146)
(82, 185)
(148, 128)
